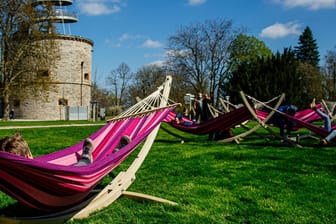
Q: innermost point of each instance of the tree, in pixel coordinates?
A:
(146, 81)
(307, 50)
(119, 80)
(247, 49)
(200, 52)
(267, 77)
(25, 53)
(330, 73)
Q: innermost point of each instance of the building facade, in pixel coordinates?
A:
(71, 84)
(70, 95)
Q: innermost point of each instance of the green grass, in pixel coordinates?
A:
(256, 181)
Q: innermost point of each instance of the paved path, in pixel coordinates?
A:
(49, 126)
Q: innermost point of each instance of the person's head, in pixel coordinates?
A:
(16, 145)
(291, 110)
(206, 96)
(178, 118)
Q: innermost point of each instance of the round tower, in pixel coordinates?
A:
(70, 96)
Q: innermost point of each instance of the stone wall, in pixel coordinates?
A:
(71, 77)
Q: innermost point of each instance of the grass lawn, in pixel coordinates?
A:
(256, 181)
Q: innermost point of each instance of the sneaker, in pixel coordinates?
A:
(124, 140)
(313, 104)
(323, 142)
(87, 153)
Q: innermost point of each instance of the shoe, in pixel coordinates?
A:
(313, 104)
(87, 153)
(87, 149)
(323, 142)
(124, 140)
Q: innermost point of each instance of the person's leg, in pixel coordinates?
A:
(289, 127)
(124, 140)
(331, 135)
(326, 118)
(87, 153)
(281, 124)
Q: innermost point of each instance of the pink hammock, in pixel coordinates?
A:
(310, 126)
(220, 123)
(51, 182)
(305, 115)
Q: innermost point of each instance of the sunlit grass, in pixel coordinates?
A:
(256, 181)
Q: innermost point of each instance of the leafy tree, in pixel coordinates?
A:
(307, 49)
(312, 80)
(247, 49)
(200, 52)
(25, 53)
(330, 74)
(266, 78)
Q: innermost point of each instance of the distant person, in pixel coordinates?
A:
(206, 113)
(198, 107)
(285, 125)
(11, 114)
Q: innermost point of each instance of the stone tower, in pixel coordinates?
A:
(71, 74)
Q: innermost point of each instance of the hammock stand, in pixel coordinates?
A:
(223, 121)
(320, 131)
(227, 104)
(98, 199)
(299, 119)
(329, 107)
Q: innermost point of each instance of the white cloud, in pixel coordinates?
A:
(310, 4)
(127, 36)
(157, 63)
(99, 7)
(152, 44)
(196, 2)
(279, 30)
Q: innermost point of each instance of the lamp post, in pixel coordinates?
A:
(81, 84)
(188, 98)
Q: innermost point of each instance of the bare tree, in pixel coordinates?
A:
(25, 53)
(119, 80)
(146, 80)
(201, 53)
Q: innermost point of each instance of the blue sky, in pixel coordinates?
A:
(135, 32)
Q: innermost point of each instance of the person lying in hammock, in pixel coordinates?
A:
(17, 145)
(327, 124)
(179, 120)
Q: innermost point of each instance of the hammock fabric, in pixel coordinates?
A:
(51, 182)
(310, 126)
(306, 115)
(220, 123)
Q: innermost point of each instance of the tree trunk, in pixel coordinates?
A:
(6, 106)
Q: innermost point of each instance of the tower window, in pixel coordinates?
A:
(62, 102)
(86, 76)
(43, 72)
